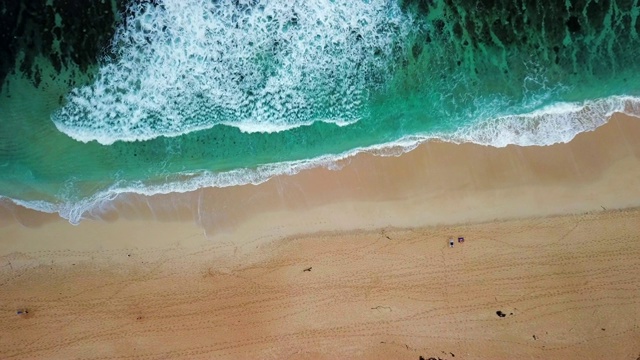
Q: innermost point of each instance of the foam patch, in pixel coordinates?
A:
(182, 66)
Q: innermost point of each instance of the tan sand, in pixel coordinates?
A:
(383, 282)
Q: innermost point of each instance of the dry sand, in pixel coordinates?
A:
(544, 246)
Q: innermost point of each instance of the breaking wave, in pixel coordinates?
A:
(183, 66)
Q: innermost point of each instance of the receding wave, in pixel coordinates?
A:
(553, 124)
(183, 66)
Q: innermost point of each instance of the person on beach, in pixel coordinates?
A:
(451, 243)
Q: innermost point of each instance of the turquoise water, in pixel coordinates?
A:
(175, 95)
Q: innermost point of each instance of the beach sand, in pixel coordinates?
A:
(350, 263)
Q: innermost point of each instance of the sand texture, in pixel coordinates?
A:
(569, 288)
(348, 264)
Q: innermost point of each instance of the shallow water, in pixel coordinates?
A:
(178, 95)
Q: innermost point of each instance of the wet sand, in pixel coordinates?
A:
(220, 273)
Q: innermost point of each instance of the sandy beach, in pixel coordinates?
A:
(349, 263)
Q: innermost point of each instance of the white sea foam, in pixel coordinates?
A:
(558, 123)
(263, 66)
(250, 127)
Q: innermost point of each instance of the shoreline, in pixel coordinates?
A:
(551, 237)
(436, 183)
(90, 208)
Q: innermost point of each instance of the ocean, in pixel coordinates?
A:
(165, 96)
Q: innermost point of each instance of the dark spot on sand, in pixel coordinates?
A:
(602, 329)
(500, 313)
(307, 269)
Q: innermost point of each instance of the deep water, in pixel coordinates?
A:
(161, 96)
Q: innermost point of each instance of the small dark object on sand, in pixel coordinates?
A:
(500, 313)
(460, 239)
(307, 269)
(22, 312)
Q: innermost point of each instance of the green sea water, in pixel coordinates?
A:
(164, 96)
